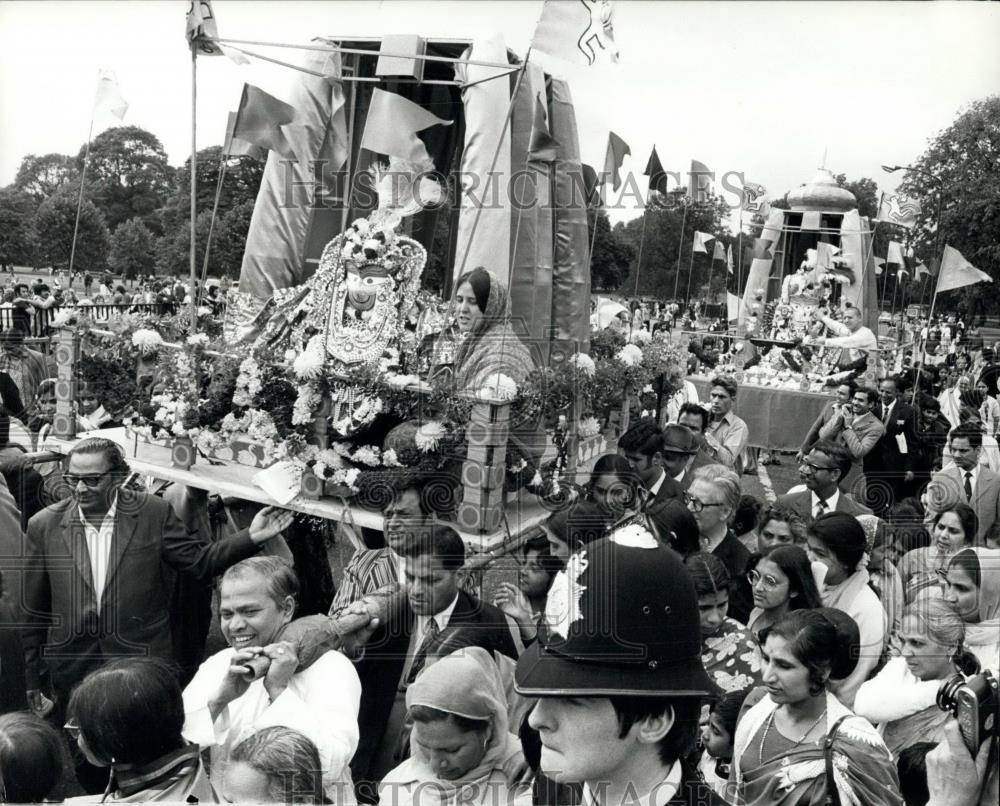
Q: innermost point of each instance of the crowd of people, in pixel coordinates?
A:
(670, 638)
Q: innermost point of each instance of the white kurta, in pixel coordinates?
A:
(321, 702)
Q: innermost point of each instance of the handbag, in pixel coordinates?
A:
(832, 795)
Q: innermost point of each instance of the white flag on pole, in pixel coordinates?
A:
(109, 105)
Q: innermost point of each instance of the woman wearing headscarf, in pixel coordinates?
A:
(953, 529)
(490, 346)
(836, 546)
(972, 585)
(460, 741)
(883, 576)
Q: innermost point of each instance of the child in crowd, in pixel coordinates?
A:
(717, 739)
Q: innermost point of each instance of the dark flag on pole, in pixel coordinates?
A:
(591, 187)
(657, 176)
(613, 159)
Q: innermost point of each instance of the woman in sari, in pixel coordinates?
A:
(781, 581)
(902, 698)
(952, 530)
(972, 585)
(883, 577)
(778, 757)
(836, 545)
(460, 741)
(490, 346)
(728, 650)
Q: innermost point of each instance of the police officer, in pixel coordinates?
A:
(618, 675)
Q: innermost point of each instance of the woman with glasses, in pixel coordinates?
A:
(780, 747)
(127, 717)
(902, 698)
(836, 546)
(713, 497)
(728, 651)
(972, 586)
(920, 570)
(781, 581)
(31, 758)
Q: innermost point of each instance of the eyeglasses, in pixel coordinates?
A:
(770, 583)
(696, 504)
(73, 730)
(88, 481)
(813, 468)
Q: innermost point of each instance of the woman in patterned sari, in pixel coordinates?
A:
(779, 755)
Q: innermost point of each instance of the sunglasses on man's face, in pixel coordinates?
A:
(88, 481)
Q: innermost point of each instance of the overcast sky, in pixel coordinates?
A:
(762, 88)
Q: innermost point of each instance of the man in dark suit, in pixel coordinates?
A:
(821, 470)
(845, 391)
(434, 610)
(694, 418)
(978, 486)
(643, 445)
(96, 585)
(888, 474)
(930, 438)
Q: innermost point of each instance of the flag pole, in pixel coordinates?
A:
(193, 261)
(687, 294)
(711, 266)
(739, 276)
(638, 261)
(211, 226)
(79, 198)
(680, 244)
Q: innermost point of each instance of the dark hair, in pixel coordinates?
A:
(777, 512)
(579, 524)
(288, 759)
(130, 711)
(747, 515)
(617, 465)
(31, 758)
(727, 708)
(967, 431)
(726, 382)
(966, 517)
(548, 562)
(277, 572)
(425, 714)
(813, 640)
(929, 403)
(644, 437)
(892, 379)
(682, 736)
(111, 451)
(697, 410)
(912, 768)
(843, 535)
(708, 573)
(836, 453)
(794, 564)
(479, 279)
(441, 542)
(870, 392)
(673, 524)
(968, 561)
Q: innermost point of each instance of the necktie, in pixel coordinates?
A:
(431, 634)
(968, 485)
(885, 414)
(820, 507)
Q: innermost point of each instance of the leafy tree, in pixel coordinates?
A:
(41, 176)
(17, 212)
(658, 274)
(229, 241)
(963, 160)
(54, 229)
(132, 249)
(612, 256)
(240, 185)
(128, 175)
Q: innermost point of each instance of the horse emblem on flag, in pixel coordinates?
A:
(600, 32)
(754, 196)
(901, 210)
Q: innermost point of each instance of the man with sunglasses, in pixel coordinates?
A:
(821, 470)
(99, 567)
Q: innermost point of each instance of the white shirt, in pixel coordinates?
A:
(320, 702)
(831, 502)
(441, 618)
(99, 547)
(654, 488)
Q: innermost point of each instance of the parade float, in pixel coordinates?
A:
(332, 368)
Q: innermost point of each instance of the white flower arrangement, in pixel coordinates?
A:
(197, 340)
(429, 436)
(64, 318)
(148, 341)
(248, 383)
(305, 404)
(308, 365)
(362, 226)
(389, 459)
(363, 415)
(498, 387)
(588, 427)
(584, 363)
(204, 310)
(367, 455)
(630, 355)
(641, 336)
(396, 381)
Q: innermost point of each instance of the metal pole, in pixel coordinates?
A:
(638, 260)
(193, 267)
(79, 199)
(680, 244)
(687, 294)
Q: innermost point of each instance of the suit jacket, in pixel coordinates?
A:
(984, 495)
(670, 490)
(68, 627)
(735, 556)
(885, 456)
(385, 656)
(824, 417)
(801, 502)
